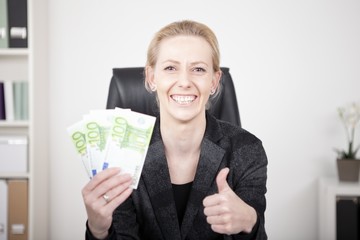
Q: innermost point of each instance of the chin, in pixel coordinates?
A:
(186, 116)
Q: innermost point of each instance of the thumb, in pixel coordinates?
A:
(221, 180)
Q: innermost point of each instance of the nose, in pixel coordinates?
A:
(184, 79)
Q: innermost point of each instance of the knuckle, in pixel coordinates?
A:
(225, 209)
(83, 193)
(224, 219)
(92, 205)
(206, 211)
(106, 184)
(228, 228)
(103, 212)
(222, 198)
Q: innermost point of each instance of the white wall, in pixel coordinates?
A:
(293, 62)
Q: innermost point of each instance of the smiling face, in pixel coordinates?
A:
(183, 77)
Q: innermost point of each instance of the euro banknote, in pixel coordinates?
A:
(97, 127)
(113, 138)
(128, 142)
(77, 134)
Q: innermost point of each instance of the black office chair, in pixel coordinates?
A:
(127, 90)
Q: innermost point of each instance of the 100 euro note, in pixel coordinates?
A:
(97, 125)
(128, 142)
(77, 134)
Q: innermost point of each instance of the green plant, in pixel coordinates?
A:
(350, 117)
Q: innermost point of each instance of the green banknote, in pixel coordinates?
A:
(128, 142)
(77, 134)
(97, 125)
(113, 138)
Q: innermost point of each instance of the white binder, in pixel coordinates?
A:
(9, 100)
(3, 209)
(13, 154)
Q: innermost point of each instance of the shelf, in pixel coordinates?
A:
(14, 51)
(14, 175)
(11, 124)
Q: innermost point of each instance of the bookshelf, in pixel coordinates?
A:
(31, 64)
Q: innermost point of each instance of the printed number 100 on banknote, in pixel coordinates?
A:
(128, 142)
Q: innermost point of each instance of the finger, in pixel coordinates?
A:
(212, 200)
(117, 189)
(119, 199)
(221, 228)
(108, 184)
(116, 196)
(92, 197)
(221, 180)
(100, 177)
(216, 210)
(218, 220)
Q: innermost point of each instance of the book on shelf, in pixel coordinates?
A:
(17, 209)
(2, 102)
(17, 23)
(14, 100)
(14, 209)
(4, 36)
(24, 100)
(21, 103)
(9, 100)
(3, 209)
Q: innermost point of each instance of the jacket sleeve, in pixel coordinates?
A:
(89, 236)
(249, 178)
(124, 225)
(124, 221)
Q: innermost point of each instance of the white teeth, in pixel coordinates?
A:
(183, 99)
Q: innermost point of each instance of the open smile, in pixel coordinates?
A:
(183, 99)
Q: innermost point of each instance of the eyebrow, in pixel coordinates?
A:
(177, 62)
(170, 60)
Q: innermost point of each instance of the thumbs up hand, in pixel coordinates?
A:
(226, 212)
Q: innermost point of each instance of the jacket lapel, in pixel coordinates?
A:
(157, 180)
(211, 156)
(158, 184)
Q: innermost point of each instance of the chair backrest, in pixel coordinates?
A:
(127, 90)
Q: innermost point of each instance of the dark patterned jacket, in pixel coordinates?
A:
(150, 212)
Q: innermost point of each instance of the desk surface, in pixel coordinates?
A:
(334, 186)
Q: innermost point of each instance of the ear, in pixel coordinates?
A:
(149, 76)
(216, 79)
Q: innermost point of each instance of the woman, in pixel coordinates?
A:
(202, 178)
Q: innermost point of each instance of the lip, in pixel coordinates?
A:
(183, 99)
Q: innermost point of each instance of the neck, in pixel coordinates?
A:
(182, 138)
(182, 148)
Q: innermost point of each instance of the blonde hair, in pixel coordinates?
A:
(185, 28)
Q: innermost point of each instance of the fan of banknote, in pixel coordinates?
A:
(113, 138)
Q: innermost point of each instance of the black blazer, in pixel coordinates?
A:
(150, 212)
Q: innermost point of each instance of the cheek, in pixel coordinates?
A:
(163, 86)
(162, 91)
(164, 83)
(205, 87)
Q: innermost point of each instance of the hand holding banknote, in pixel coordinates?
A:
(105, 192)
(112, 145)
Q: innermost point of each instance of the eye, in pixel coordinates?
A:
(169, 68)
(199, 69)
